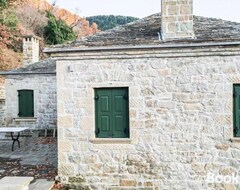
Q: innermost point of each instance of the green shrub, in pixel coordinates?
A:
(11, 19)
(3, 4)
(57, 31)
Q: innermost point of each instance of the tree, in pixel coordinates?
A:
(10, 3)
(9, 59)
(7, 14)
(79, 25)
(5, 36)
(106, 22)
(3, 4)
(32, 19)
(57, 31)
(10, 19)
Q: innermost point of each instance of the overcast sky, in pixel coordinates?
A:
(225, 9)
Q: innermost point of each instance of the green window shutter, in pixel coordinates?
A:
(103, 113)
(120, 113)
(25, 103)
(236, 106)
(111, 107)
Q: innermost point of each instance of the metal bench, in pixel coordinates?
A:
(13, 130)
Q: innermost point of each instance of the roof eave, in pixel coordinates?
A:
(109, 48)
(26, 73)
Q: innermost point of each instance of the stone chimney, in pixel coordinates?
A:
(177, 19)
(30, 50)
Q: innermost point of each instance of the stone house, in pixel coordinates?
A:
(150, 105)
(30, 93)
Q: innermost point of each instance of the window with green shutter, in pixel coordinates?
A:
(111, 113)
(25, 103)
(236, 109)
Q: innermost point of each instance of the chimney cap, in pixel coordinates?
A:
(32, 36)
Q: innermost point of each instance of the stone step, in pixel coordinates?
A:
(41, 184)
(15, 183)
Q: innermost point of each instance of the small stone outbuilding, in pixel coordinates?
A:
(30, 91)
(37, 110)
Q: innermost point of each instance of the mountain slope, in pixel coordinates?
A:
(28, 17)
(106, 22)
(79, 24)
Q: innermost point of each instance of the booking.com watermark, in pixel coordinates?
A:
(234, 178)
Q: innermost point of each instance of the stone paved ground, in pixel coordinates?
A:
(37, 157)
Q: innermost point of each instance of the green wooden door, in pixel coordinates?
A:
(111, 106)
(25, 103)
(236, 106)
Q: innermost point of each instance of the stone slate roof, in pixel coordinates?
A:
(47, 66)
(145, 32)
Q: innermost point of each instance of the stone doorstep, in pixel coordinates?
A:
(15, 183)
(132, 188)
(41, 184)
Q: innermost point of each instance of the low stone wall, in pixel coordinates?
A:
(45, 102)
(2, 87)
(2, 116)
(2, 112)
(181, 119)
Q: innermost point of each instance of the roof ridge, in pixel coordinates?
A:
(145, 32)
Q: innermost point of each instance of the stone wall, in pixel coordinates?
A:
(181, 119)
(2, 87)
(2, 113)
(45, 105)
(2, 102)
(177, 19)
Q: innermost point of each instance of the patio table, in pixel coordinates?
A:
(13, 130)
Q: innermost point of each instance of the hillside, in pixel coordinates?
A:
(106, 22)
(29, 17)
(80, 25)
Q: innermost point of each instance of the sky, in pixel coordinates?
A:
(224, 9)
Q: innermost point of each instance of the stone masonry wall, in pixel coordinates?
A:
(2, 113)
(2, 88)
(2, 102)
(177, 19)
(45, 113)
(181, 119)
